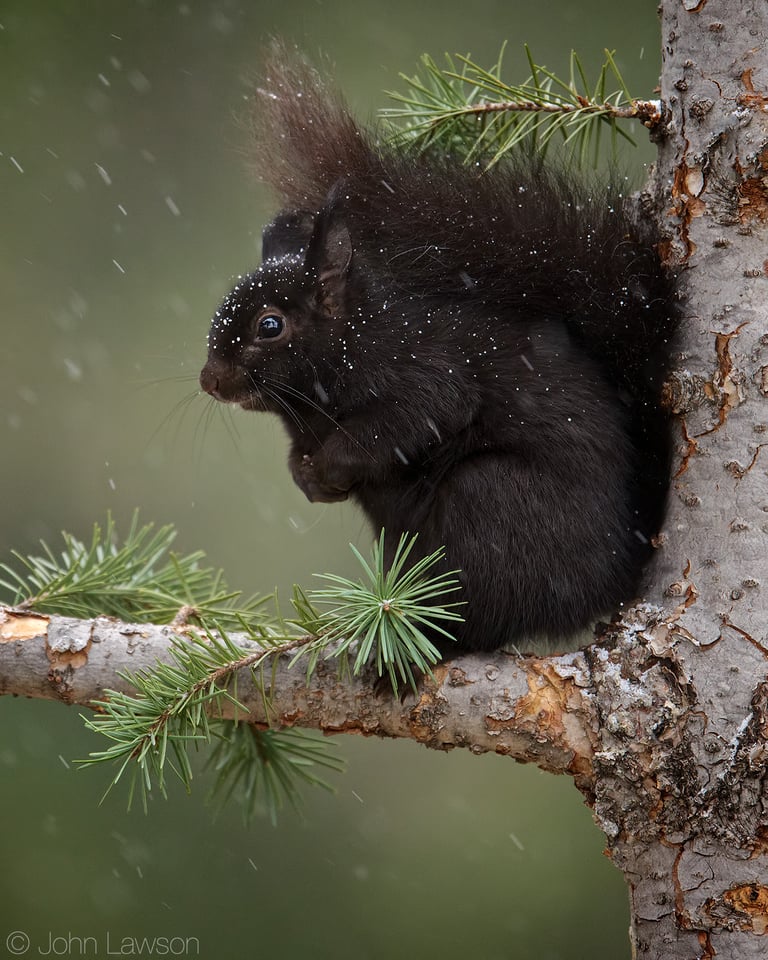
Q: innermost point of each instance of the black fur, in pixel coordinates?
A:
(471, 356)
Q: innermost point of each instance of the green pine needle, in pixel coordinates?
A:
(387, 617)
(263, 769)
(470, 111)
(138, 578)
(176, 705)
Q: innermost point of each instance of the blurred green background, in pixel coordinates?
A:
(126, 210)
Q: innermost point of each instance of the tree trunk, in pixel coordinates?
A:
(682, 790)
(664, 724)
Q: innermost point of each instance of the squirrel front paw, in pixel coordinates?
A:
(316, 488)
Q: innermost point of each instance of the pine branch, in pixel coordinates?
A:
(264, 768)
(387, 617)
(139, 577)
(534, 709)
(473, 112)
(172, 708)
(178, 704)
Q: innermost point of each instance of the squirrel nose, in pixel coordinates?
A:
(209, 381)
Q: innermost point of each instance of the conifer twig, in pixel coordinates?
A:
(179, 703)
(472, 111)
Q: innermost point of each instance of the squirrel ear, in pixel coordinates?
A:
(337, 248)
(289, 234)
(330, 256)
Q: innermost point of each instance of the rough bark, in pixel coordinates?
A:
(663, 725)
(694, 850)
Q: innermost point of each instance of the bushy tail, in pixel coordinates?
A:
(304, 137)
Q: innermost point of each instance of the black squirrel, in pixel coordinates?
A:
(474, 356)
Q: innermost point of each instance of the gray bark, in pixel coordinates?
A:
(691, 835)
(664, 724)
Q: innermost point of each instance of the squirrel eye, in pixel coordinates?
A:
(271, 325)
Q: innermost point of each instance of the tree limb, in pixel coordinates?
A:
(532, 709)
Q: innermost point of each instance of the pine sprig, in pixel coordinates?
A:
(388, 617)
(263, 769)
(173, 706)
(140, 577)
(471, 111)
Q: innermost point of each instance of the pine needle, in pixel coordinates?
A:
(264, 769)
(390, 616)
(140, 577)
(467, 110)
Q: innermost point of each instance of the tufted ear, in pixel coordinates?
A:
(329, 257)
(288, 234)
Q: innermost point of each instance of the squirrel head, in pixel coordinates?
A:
(278, 337)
